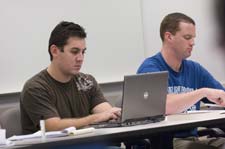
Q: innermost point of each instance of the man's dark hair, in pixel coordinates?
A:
(62, 32)
(171, 22)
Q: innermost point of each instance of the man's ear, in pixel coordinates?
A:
(168, 36)
(54, 50)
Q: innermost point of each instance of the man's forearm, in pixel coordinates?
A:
(54, 124)
(176, 103)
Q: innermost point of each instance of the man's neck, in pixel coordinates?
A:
(171, 59)
(57, 74)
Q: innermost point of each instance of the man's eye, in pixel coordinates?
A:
(187, 37)
(75, 51)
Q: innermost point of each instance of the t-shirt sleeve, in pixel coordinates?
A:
(37, 104)
(96, 95)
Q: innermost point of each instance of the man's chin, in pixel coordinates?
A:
(187, 56)
(74, 72)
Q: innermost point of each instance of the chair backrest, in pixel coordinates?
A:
(10, 120)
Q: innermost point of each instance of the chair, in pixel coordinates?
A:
(211, 132)
(10, 120)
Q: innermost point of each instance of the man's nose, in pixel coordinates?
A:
(80, 57)
(192, 42)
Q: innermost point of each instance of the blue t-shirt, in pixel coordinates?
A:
(191, 76)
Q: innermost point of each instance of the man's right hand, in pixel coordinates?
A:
(215, 95)
(113, 113)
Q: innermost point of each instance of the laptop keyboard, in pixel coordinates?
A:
(107, 124)
(117, 123)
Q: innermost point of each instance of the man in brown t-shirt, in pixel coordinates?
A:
(60, 94)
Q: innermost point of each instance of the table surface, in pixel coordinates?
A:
(119, 134)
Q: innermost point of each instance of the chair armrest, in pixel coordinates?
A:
(211, 132)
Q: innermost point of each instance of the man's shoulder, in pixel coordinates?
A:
(37, 80)
(155, 57)
(154, 60)
(152, 64)
(192, 63)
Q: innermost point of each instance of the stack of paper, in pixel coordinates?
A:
(53, 134)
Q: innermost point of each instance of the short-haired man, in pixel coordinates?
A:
(188, 81)
(61, 94)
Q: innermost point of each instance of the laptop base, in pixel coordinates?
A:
(134, 122)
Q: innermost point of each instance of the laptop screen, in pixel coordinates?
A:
(144, 96)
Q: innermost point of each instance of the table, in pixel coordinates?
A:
(170, 124)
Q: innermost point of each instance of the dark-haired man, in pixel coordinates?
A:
(188, 81)
(61, 94)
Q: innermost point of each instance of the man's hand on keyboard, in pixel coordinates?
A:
(113, 113)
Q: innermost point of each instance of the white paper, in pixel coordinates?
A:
(53, 134)
(206, 111)
(69, 129)
(213, 105)
(38, 134)
(82, 131)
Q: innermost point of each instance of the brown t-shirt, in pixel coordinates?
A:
(44, 97)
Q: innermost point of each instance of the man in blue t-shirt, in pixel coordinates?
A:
(188, 81)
